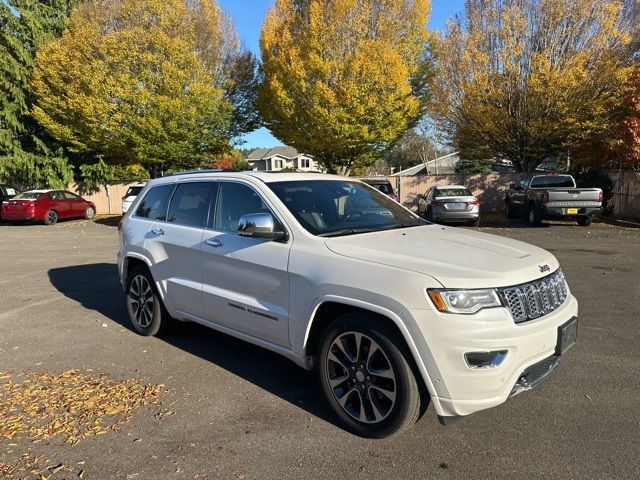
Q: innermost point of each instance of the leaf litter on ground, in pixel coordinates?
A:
(71, 405)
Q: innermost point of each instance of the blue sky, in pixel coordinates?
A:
(249, 14)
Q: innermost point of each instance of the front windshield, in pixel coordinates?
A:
(330, 208)
(27, 196)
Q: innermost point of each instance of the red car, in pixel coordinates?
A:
(47, 206)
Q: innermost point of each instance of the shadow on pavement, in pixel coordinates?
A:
(97, 287)
(109, 221)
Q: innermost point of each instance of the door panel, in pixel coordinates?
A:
(245, 280)
(60, 204)
(175, 244)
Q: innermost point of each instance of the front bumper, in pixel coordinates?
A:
(444, 339)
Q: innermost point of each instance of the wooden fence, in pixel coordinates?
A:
(489, 188)
(626, 195)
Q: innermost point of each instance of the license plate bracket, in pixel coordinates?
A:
(567, 335)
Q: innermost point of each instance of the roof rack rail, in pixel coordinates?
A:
(202, 170)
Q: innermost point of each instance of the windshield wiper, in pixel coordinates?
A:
(348, 231)
(353, 231)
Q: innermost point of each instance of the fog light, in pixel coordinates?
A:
(485, 359)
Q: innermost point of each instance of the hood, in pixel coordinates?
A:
(455, 257)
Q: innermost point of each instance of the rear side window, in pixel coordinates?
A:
(190, 204)
(154, 204)
(133, 191)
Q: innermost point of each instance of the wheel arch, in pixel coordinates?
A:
(328, 309)
(130, 261)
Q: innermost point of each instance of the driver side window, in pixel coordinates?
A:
(234, 201)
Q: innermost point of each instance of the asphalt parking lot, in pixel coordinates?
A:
(233, 411)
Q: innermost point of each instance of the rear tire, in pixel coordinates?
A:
(51, 217)
(475, 223)
(534, 216)
(584, 221)
(367, 378)
(429, 215)
(146, 311)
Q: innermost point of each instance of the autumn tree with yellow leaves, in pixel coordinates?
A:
(160, 83)
(344, 79)
(524, 80)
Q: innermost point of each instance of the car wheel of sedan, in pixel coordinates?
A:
(367, 378)
(90, 213)
(144, 306)
(51, 217)
(584, 221)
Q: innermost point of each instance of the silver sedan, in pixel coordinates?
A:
(451, 203)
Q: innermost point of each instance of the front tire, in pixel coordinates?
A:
(366, 377)
(510, 210)
(144, 306)
(51, 217)
(584, 221)
(89, 213)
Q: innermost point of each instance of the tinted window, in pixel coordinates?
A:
(552, 181)
(384, 187)
(453, 192)
(337, 207)
(133, 191)
(69, 196)
(234, 201)
(190, 204)
(154, 203)
(27, 196)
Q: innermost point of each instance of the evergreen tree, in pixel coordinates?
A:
(25, 27)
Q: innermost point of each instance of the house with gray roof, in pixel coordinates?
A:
(278, 158)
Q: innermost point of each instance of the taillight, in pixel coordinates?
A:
(474, 202)
(545, 197)
(600, 197)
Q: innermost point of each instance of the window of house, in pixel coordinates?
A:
(304, 163)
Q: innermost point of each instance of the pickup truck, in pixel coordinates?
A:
(552, 196)
(391, 311)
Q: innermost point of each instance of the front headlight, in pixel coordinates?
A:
(464, 301)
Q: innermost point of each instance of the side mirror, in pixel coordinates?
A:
(259, 225)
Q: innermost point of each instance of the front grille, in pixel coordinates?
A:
(535, 299)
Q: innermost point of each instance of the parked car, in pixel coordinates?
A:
(132, 192)
(279, 260)
(47, 206)
(553, 196)
(451, 203)
(383, 185)
(6, 193)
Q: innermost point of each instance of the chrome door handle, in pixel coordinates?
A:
(214, 242)
(157, 231)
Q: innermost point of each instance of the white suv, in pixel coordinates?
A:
(391, 310)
